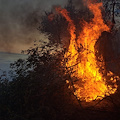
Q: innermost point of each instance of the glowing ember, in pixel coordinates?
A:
(91, 84)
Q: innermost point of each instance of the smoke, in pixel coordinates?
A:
(19, 20)
(79, 4)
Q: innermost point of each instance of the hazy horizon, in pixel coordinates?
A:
(7, 58)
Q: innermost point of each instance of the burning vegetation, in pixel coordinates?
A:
(69, 77)
(92, 83)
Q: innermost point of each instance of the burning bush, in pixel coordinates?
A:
(64, 83)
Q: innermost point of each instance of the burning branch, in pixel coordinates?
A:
(81, 58)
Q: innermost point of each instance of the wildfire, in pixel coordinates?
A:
(91, 84)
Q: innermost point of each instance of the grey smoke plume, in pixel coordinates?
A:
(19, 20)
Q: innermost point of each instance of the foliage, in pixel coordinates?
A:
(36, 87)
(38, 90)
(55, 25)
(111, 10)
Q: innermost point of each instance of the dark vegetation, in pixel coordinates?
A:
(38, 90)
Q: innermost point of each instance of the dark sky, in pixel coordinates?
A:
(17, 27)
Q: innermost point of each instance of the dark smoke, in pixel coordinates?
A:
(79, 4)
(19, 20)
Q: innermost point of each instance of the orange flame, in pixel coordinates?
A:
(81, 57)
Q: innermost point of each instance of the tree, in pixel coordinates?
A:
(38, 89)
(55, 26)
(110, 7)
(37, 86)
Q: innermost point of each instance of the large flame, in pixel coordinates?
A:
(91, 84)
